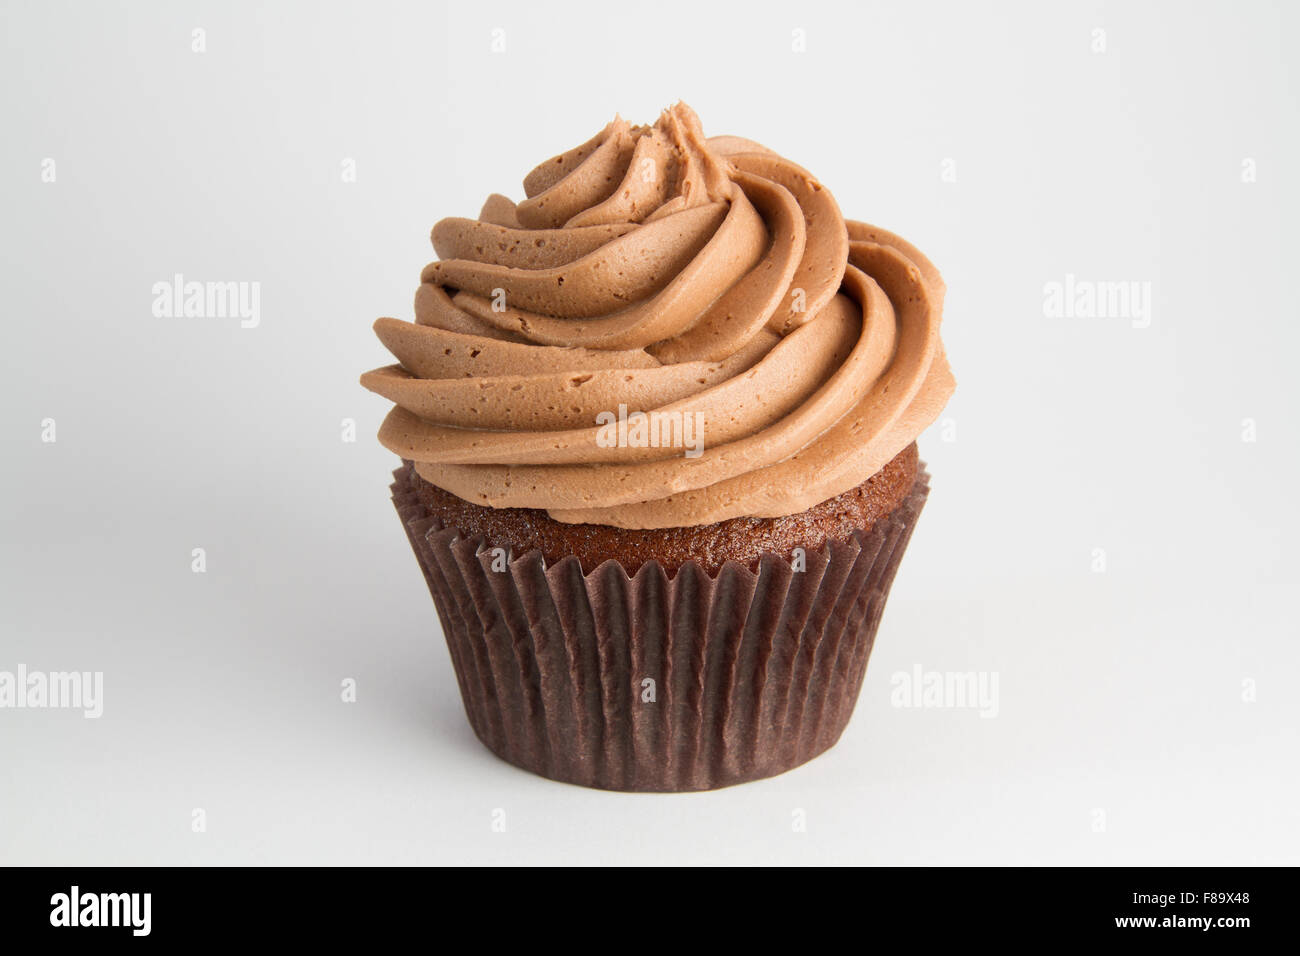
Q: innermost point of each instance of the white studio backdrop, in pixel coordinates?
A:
(1107, 545)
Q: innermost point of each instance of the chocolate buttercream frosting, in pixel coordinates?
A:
(669, 331)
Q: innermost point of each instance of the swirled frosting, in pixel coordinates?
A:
(653, 270)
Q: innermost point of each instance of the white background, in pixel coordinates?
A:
(1121, 691)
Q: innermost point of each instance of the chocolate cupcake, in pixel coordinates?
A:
(658, 425)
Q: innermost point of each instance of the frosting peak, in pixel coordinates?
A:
(668, 330)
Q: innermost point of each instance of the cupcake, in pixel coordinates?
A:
(657, 424)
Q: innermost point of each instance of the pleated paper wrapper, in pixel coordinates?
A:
(658, 682)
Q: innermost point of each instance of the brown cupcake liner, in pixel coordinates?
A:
(755, 671)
